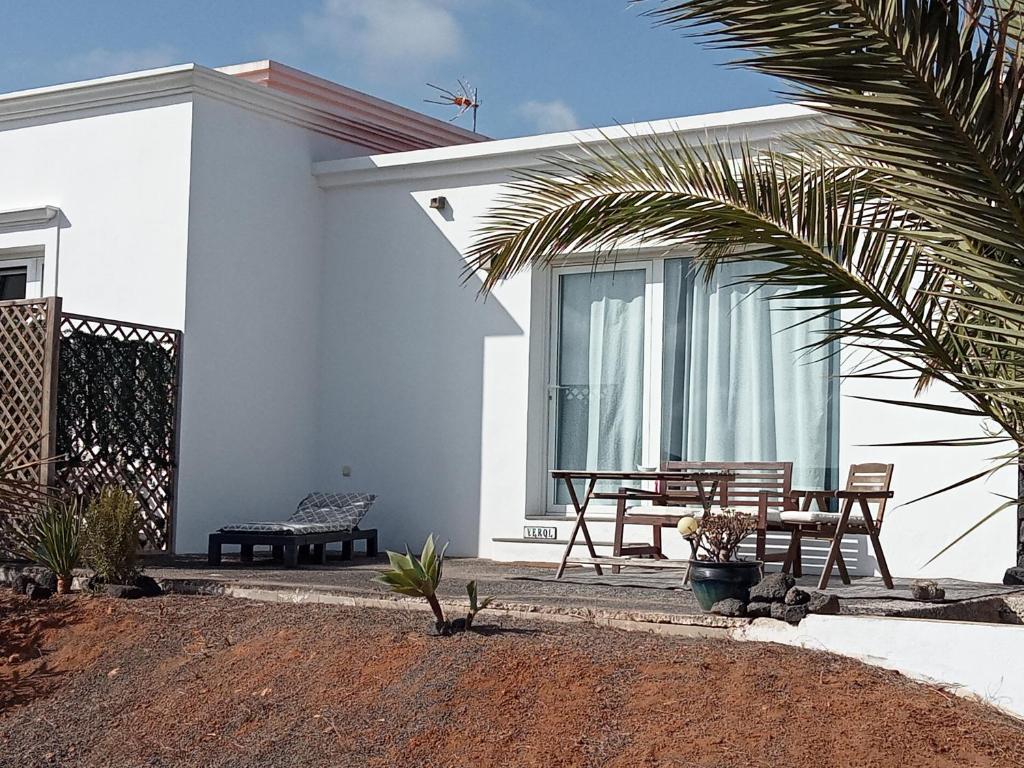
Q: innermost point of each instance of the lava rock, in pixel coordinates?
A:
(759, 610)
(772, 588)
(927, 590)
(148, 586)
(1014, 577)
(730, 607)
(47, 579)
(823, 603)
(123, 591)
(796, 596)
(38, 592)
(21, 583)
(790, 613)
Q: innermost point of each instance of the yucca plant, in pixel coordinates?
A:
(53, 539)
(907, 215)
(418, 577)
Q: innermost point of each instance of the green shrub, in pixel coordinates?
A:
(112, 524)
(53, 539)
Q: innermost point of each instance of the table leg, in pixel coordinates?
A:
(580, 525)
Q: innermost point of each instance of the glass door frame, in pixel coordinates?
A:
(654, 273)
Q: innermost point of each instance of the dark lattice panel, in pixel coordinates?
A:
(117, 402)
(25, 348)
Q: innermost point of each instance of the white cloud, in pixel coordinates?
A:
(103, 61)
(387, 35)
(549, 116)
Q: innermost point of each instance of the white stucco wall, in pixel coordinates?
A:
(252, 325)
(437, 398)
(121, 180)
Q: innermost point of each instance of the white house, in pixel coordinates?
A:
(285, 224)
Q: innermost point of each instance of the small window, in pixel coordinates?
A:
(13, 283)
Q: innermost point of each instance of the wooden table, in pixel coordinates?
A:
(707, 484)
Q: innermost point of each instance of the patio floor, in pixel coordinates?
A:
(635, 595)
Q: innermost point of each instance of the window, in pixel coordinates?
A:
(21, 273)
(13, 283)
(650, 362)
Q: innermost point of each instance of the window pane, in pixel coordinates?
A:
(599, 379)
(13, 283)
(738, 382)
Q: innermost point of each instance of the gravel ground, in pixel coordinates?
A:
(202, 681)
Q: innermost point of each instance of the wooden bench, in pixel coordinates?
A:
(763, 488)
(287, 546)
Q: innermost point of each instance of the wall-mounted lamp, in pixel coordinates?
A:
(439, 203)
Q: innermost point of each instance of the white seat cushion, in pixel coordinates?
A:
(284, 528)
(812, 516)
(773, 514)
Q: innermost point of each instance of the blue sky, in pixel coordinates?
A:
(539, 65)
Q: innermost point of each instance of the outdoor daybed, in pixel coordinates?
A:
(320, 519)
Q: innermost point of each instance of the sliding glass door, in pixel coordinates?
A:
(597, 392)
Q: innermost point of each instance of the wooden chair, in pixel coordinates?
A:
(866, 485)
(763, 488)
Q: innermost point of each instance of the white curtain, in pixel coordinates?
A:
(739, 383)
(600, 371)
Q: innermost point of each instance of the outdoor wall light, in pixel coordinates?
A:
(439, 203)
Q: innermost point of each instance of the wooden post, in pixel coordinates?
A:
(51, 380)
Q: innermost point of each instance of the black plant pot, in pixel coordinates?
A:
(720, 581)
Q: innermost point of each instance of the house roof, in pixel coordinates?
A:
(490, 157)
(266, 87)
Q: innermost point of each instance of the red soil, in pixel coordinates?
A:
(215, 682)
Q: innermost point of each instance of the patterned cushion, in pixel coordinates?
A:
(282, 527)
(317, 513)
(343, 510)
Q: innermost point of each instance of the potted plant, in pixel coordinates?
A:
(715, 572)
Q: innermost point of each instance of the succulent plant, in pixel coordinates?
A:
(418, 577)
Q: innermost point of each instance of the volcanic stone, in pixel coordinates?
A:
(123, 591)
(791, 613)
(21, 583)
(797, 596)
(759, 610)
(927, 590)
(38, 592)
(822, 602)
(772, 588)
(1014, 576)
(148, 586)
(729, 607)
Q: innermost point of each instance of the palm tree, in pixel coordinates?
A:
(907, 214)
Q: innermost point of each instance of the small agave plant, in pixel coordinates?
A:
(419, 577)
(475, 606)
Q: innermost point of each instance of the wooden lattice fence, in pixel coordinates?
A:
(105, 394)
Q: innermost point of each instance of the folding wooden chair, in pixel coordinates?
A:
(866, 485)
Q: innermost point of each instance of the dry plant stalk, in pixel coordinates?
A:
(721, 534)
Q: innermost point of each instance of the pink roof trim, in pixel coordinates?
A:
(365, 120)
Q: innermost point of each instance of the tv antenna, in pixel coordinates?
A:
(464, 99)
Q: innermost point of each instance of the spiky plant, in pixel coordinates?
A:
(907, 216)
(418, 577)
(53, 539)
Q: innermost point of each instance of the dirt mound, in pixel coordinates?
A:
(181, 681)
